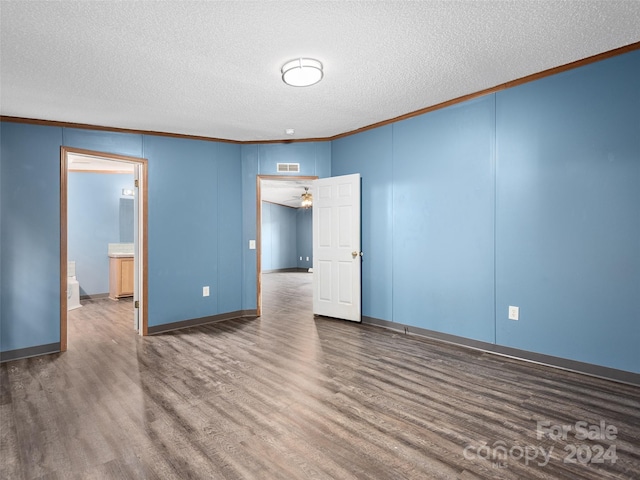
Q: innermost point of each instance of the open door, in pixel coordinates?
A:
(140, 292)
(337, 259)
(136, 248)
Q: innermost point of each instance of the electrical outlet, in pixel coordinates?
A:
(514, 313)
(205, 291)
(300, 258)
(307, 259)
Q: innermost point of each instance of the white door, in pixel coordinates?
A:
(137, 246)
(337, 260)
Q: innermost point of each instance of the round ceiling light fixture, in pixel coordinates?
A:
(302, 72)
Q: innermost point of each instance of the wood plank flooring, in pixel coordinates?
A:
(290, 396)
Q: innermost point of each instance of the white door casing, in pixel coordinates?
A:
(337, 259)
(137, 246)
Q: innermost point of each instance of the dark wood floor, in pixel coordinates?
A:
(290, 396)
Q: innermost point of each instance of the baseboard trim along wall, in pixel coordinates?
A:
(549, 360)
(281, 270)
(167, 327)
(29, 352)
(94, 296)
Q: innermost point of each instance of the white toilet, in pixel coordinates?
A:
(73, 287)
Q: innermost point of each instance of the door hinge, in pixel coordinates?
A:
(136, 183)
(136, 304)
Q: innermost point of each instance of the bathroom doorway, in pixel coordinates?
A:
(130, 254)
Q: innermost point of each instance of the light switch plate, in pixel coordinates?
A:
(514, 313)
(205, 291)
(252, 244)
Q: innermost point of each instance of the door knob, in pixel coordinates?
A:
(355, 254)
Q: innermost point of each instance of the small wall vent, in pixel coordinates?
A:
(288, 167)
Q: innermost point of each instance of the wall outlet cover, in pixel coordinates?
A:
(514, 313)
(205, 291)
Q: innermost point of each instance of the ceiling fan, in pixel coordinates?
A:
(307, 198)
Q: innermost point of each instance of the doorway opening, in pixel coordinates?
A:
(133, 207)
(279, 190)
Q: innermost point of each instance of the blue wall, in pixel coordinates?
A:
(195, 227)
(568, 214)
(443, 220)
(93, 221)
(304, 237)
(314, 159)
(526, 197)
(286, 237)
(231, 283)
(370, 154)
(30, 243)
(279, 237)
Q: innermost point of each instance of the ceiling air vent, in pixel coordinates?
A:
(288, 167)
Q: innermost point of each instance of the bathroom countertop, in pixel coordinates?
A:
(120, 255)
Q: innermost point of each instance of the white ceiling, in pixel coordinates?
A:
(212, 68)
(284, 192)
(90, 163)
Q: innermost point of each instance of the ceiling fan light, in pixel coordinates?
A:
(307, 199)
(302, 72)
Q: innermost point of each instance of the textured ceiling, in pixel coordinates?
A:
(89, 163)
(284, 192)
(212, 68)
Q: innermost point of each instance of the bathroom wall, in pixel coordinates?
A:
(127, 219)
(95, 218)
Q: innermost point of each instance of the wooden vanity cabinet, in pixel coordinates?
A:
(120, 277)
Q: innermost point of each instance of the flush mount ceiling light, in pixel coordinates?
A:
(307, 199)
(302, 72)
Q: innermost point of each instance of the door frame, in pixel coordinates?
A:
(141, 164)
(259, 178)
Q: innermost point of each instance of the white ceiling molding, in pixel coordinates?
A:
(213, 68)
